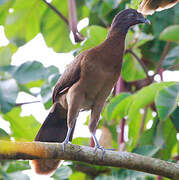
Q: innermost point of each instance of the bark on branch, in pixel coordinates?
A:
(39, 150)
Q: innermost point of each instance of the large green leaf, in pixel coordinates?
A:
(171, 34)
(30, 72)
(63, 172)
(5, 54)
(77, 175)
(147, 150)
(55, 30)
(4, 134)
(23, 128)
(131, 69)
(145, 96)
(23, 23)
(175, 118)
(5, 5)
(15, 175)
(95, 36)
(112, 105)
(8, 94)
(172, 58)
(17, 166)
(170, 139)
(166, 100)
(3, 1)
(121, 110)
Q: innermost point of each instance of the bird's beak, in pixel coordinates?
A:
(143, 20)
(146, 21)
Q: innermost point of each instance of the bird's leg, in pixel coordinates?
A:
(95, 113)
(97, 145)
(67, 139)
(74, 98)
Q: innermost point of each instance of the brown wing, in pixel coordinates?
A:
(70, 76)
(148, 7)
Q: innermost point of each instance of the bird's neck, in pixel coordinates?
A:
(116, 40)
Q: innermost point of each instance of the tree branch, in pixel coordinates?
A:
(39, 150)
(20, 104)
(57, 12)
(164, 53)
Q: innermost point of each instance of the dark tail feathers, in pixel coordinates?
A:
(54, 129)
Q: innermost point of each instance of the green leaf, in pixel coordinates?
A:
(172, 58)
(170, 33)
(63, 172)
(77, 175)
(4, 134)
(23, 128)
(170, 140)
(5, 54)
(17, 166)
(104, 177)
(145, 96)
(15, 175)
(95, 36)
(142, 38)
(3, 1)
(54, 29)
(29, 71)
(166, 100)
(46, 90)
(121, 110)
(23, 23)
(4, 7)
(175, 118)
(147, 150)
(8, 95)
(81, 140)
(113, 103)
(131, 69)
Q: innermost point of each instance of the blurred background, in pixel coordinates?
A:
(38, 39)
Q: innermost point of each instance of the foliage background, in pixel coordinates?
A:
(140, 99)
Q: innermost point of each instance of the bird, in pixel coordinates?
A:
(148, 7)
(85, 85)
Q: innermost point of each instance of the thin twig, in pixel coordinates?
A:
(20, 104)
(57, 12)
(164, 53)
(41, 150)
(140, 61)
(142, 124)
(174, 67)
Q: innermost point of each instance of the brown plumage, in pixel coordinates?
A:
(148, 7)
(86, 84)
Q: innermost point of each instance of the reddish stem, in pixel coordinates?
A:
(121, 133)
(161, 73)
(159, 177)
(119, 87)
(92, 144)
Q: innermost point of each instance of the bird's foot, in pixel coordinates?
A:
(67, 139)
(64, 144)
(102, 148)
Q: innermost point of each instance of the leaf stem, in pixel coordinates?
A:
(57, 12)
(140, 61)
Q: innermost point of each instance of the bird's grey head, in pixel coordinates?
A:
(127, 18)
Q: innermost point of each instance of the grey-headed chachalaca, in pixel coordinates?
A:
(85, 84)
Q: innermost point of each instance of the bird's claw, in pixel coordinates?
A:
(103, 150)
(63, 145)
